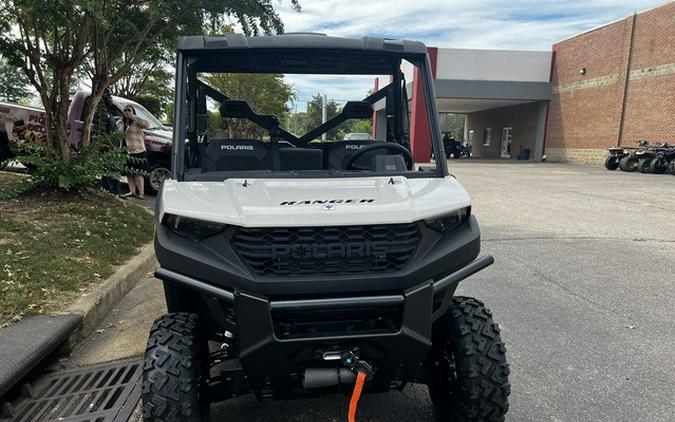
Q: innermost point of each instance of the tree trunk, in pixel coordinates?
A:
(62, 87)
(89, 111)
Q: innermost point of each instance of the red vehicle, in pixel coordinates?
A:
(20, 124)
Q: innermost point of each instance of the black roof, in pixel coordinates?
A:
(299, 41)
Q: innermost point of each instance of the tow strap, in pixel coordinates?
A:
(354, 402)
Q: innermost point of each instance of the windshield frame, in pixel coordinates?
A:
(187, 67)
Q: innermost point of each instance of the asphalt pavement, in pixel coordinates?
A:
(583, 287)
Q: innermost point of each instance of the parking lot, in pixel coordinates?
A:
(583, 287)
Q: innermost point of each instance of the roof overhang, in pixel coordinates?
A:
(493, 90)
(472, 105)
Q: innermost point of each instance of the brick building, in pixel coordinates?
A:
(608, 86)
(612, 86)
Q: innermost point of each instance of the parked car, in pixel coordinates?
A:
(20, 124)
(358, 136)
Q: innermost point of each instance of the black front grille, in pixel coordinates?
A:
(298, 251)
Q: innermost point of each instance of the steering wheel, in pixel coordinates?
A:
(396, 148)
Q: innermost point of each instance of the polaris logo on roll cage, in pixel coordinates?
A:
(237, 147)
(329, 201)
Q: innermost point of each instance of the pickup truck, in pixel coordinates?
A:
(19, 124)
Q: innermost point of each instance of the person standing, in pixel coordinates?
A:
(135, 140)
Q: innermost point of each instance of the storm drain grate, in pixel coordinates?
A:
(99, 393)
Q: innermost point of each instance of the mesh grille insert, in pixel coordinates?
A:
(298, 251)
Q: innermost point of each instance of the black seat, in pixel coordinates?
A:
(340, 152)
(300, 159)
(237, 155)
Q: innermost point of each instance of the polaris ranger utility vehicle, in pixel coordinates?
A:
(295, 268)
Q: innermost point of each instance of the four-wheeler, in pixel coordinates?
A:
(654, 160)
(455, 149)
(669, 156)
(295, 269)
(614, 155)
(643, 158)
(631, 160)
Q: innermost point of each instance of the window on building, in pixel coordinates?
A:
(470, 137)
(487, 137)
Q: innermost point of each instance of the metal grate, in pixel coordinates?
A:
(300, 251)
(99, 393)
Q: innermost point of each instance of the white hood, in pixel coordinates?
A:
(302, 202)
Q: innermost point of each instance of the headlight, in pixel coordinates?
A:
(191, 228)
(450, 221)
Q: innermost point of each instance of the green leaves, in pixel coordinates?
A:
(87, 166)
(13, 83)
(265, 93)
(51, 41)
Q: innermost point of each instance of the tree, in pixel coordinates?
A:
(296, 123)
(453, 123)
(265, 93)
(13, 83)
(148, 81)
(314, 113)
(361, 126)
(49, 40)
(124, 31)
(303, 122)
(169, 113)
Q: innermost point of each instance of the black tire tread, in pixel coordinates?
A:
(629, 163)
(611, 162)
(645, 165)
(172, 368)
(657, 166)
(481, 390)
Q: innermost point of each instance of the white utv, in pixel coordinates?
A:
(293, 267)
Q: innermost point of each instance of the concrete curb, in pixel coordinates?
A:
(93, 306)
(28, 342)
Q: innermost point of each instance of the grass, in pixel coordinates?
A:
(54, 245)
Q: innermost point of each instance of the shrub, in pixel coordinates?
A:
(102, 158)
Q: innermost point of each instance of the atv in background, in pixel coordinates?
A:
(643, 158)
(454, 148)
(615, 155)
(630, 161)
(669, 157)
(296, 268)
(655, 160)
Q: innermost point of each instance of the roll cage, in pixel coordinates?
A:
(309, 54)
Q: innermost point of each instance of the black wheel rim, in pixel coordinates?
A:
(157, 177)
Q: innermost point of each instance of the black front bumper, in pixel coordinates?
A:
(278, 339)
